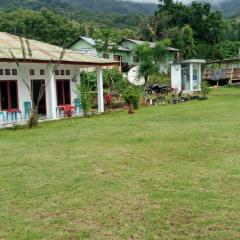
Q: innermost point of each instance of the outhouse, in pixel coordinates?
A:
(186, 75)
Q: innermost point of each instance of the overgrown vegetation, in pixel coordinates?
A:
(112, 79)
(213, 37)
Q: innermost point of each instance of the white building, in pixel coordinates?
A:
(59, 76)
(186, 75)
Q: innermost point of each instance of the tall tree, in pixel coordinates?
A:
(187, 42)
(107, 40)
(152, 58)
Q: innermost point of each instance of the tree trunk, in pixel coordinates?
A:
(33, 120)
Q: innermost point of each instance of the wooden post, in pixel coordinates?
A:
(230, 82)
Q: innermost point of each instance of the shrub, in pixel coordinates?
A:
(112, 78)
(83, 92)
(205, 89)
(131, 97)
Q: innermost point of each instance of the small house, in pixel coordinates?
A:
(43, 71)
(125, 54)
(88, 46)
(186, 75)
(131, 44)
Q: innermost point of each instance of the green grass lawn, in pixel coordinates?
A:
(164, 173)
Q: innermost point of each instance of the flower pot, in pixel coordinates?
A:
(175, 101)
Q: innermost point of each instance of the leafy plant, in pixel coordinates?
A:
(111, 79)
(131, 97)
(205, 89)
(151, 58)
(84, 93)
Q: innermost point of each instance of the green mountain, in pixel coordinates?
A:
(110, 6)
(228, 7)
(112, 13)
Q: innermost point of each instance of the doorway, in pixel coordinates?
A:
(63, 92)
(37, 86)
(186, 77)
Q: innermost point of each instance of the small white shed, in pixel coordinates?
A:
(186, 75)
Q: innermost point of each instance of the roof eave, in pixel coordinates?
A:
(6, 60)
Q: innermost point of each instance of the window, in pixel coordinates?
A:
(62, 72)
(8, 95)
(196, 76)
(57, 72)
(67, 72)
(7, 72)
(14, 72)
(1, 71)
(135, 59)
(42, 72)
(32, 73)
(105, 55)
(63, 92)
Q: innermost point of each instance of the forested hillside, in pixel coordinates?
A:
(111, 13)
(110, 6)
(228, 7)
(210, 35)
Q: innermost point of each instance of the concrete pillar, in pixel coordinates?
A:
(100, 90)
(51, 94)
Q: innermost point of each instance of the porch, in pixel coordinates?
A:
(58, 101)
(227, 71)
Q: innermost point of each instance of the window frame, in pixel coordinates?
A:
(63, 91)
(9, 95)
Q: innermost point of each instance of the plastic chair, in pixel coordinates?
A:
(14, 114)
(2, 115)
(77, 105)
(58, 111)
(27, 109)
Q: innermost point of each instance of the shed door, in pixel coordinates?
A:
(186, 77)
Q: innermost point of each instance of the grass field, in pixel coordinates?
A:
(164, 173)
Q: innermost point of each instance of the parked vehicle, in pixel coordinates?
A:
(159, 89)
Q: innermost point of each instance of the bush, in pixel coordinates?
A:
(112, 78)
(131, 97)
(84, 93)
(205, 89)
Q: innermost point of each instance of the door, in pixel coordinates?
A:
(186, 77)
(39, 95)
(118, 58)
(63, 92)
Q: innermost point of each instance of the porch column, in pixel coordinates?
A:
(191, 77)
(100, 89)
(52, 96)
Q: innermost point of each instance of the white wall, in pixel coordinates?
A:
(176, 79)
(24, 73)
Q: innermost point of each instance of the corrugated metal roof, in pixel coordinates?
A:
(44, 52)
(151, 44)
(93, 43)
